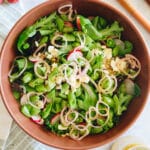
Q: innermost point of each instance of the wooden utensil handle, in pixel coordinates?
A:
(135, 13)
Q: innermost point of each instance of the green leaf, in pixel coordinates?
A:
(27, 77)
(25, 109)
(91, 31)
(41, 88)
(69, 37)
(60, 23)
(72, 100)
(20, 63)
(108, 100)
(46, 111)
(45, 20)
(51, 95)
(16, 94)
(117, 105)
(36, 82)
(34, 111)
(89, 97)
(112, 30)
(137, 90)
(31, 31)
(50, 84)
(28, 32)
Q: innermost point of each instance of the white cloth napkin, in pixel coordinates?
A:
(10, 139)
(10, 13)
(11, 136)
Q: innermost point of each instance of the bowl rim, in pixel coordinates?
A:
(118, 11)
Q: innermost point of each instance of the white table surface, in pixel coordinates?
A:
(141, 127)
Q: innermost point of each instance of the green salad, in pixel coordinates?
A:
(74, 75)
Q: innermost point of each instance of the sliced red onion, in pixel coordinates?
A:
(134, 63)
(36, 65)
(53, 41)
(72, 15)
(37, 119)
(21, 72)
(129, 85)
(35, 54)
(70, 111)
(65, 9)
(105, 109)
(34, 59)
(89, 113)
(112, 85)
(78, 132)
(41, 102)
(62, 116)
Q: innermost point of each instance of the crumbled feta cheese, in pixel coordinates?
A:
(36, 43)
(114, 66)
(108, 53)
(53, 51)
(54, 65)
(121, 64)
(49, 56)
(84, 78)
(118, 64)
(50, 48)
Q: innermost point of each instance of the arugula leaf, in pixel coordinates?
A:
(89, 97)
(72, 100)
(32, 30)
(137, 90)
(91, 31)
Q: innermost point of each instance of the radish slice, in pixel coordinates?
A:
(120, 43)
(74, 54)
(78, 23)
(12, 1)
(1, 1)
(55, 118)
(129, 85)
(68, 24)
(83, 123)
(37, 119)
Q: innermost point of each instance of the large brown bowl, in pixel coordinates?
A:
(88, 8)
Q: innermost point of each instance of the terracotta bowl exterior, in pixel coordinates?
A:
(87, 8)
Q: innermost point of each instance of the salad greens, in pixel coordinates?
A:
(74, 75)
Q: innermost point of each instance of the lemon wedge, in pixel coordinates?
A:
(129, 143)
